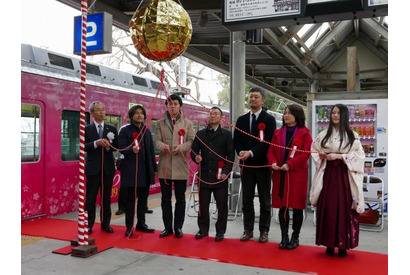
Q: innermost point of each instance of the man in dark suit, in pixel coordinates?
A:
(213, 149)
(99, 167)
(138, 170)
(252, 152)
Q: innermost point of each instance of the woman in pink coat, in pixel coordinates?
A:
(290, 172)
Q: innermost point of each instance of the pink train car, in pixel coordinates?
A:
(50, 104)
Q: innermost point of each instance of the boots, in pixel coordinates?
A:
(294, 241)
(285, 237)
(284, 227)
(296, 226)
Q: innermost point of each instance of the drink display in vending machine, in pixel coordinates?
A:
(362, 120)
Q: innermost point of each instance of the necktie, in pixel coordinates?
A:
(253, 125)
(100, 132)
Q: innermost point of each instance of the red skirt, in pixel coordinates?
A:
(337, 225)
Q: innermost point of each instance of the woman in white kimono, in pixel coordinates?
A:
(337, 185)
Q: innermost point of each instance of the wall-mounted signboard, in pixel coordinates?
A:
(371, 4)
(239, 10)
(320, 7)
(240, 15)
(99, 33)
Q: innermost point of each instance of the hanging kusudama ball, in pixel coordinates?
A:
(161, 30)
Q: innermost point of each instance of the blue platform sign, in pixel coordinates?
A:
(99, 33)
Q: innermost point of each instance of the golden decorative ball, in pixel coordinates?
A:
(161, 30)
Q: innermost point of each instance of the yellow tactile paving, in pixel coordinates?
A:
(29, 239)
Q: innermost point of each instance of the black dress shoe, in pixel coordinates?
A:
(144, 228)
(119, 212)
(165, 233)
(263, 238)
(149, 211)
(219, 237)
(129, 233)
(107, 229)
(330, 251)
(294, 242)
(178, 233)
(342, 253)
(199, 235)
(247, 235)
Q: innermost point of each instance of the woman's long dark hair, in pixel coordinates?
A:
(343, 127)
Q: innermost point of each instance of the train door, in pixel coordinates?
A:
(32, 159)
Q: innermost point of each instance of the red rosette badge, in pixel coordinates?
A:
(297, 142)
(135, 137)
(261, 127)
(221, 165)
(181, 133)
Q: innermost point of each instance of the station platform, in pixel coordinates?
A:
(37, 252)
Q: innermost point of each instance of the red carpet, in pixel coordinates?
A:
(304, 259)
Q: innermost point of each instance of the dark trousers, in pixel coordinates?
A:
(121, 198)
(260, 177)
(93, 185)
(129, 197)
(221, 198)
(166, 203)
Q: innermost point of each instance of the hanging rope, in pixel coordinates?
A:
(241, 164)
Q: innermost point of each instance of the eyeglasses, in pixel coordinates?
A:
(99, 110)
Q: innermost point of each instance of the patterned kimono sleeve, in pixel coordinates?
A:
(315, 147)
(354, 159)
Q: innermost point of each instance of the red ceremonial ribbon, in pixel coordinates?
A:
(261, 127)
(296, 144)
(221, 165)
(181, 133)
(135, 137)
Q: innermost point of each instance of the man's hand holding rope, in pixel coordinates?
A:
(244, 155)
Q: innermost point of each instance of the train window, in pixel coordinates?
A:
(116, 122)
(140, 81)
(202, 126)
(70, 134)
(30, 133)
(194, 126)
(153, 127)
(155, 85)
(93, 69)
(60, 61)
(113, 120)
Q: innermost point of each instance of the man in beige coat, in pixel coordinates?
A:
(173, 138)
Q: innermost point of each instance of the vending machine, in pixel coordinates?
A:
(369, 119)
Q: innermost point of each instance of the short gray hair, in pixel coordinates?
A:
(259, 90)
(93, 104)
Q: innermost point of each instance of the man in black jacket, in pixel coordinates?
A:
(138, 170)
(213, 150)
(257, 124)
(99, 167)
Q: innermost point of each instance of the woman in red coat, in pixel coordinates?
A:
(290, 172)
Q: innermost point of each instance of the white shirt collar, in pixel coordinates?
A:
(256, 114)
(96, 125)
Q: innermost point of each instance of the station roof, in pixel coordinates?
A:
(291, 55)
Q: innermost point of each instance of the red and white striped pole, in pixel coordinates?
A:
(81, 191)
